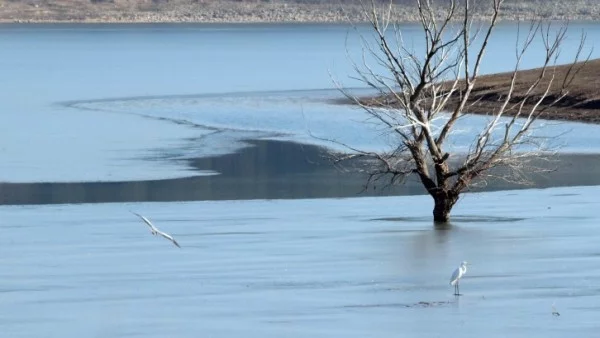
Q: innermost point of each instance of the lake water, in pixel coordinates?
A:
(170, 113)
(97, 100)
(317, 267)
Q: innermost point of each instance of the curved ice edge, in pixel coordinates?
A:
(322, 96)
(319, 95)
(327, 93)
(179, 174)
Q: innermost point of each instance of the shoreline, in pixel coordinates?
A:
(581, 104)
(266, 11)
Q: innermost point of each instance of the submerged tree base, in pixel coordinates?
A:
(443, 206)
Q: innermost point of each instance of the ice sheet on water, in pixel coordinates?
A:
(298, 268)
(314, 117)
(142, 138)
(60, 145)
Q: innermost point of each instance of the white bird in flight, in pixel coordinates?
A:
(154, 230)
(457, 275)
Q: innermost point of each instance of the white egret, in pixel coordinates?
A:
(154, 230)
(457, 275)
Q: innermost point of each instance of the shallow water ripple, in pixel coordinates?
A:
(296, 268)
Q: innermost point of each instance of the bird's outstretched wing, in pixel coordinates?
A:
(147, 221)
(169, 237)
(155, 229)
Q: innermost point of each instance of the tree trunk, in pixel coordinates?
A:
(443, 205)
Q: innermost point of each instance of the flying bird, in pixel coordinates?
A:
(457, 275)
(154, 230)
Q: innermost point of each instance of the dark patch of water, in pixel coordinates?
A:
(268, 170)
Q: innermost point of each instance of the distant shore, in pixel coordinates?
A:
(265, 11)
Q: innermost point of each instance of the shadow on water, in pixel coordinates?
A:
(455, 220)
(265, 170)
(268, 170)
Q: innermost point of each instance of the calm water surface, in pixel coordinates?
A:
(296, 268)
(87, 103)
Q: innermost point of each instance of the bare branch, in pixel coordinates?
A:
(416, 90)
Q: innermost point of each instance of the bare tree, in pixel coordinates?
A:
(422, 95)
